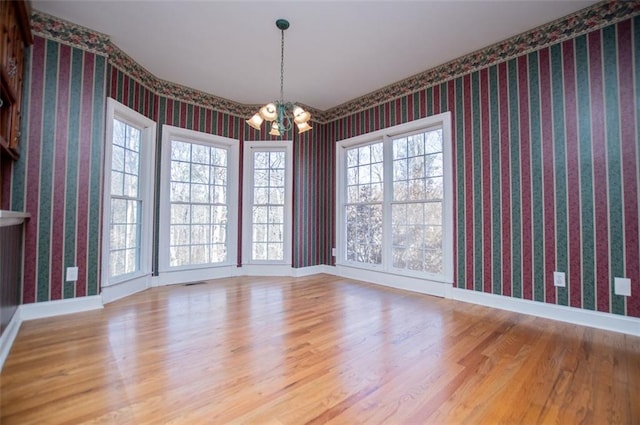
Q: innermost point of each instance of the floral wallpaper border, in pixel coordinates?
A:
(589, 19)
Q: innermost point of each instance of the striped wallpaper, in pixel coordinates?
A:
(546, 159)
(546, 167)
(58, 176)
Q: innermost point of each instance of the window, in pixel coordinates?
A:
(363, 209)
(199, 200)
(267, 201)
(128, 192)
(416, 207)
(395, 200)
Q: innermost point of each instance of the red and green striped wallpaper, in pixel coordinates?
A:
(546, 168)
(546, 163)
(58, 176)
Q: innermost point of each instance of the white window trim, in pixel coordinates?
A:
(199, 271)
(116, 110)
(260, 146)
(443, 120)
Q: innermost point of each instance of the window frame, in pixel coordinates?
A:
(387, 135)
(146, 161)
(169, 134)
(247, 212)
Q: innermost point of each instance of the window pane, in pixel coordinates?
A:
(268, 206)
(197, 198)
(364, 227)
(180, 171)
(131, 162)
(117, 183)
(180, 151)
(416, 228)
(124, 203)
(180, 214)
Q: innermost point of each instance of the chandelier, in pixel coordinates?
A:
(277, 112)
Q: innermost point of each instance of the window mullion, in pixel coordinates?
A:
(387, 239)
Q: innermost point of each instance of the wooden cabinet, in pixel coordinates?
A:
(15, 36)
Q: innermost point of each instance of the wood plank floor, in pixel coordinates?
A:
(319, 349)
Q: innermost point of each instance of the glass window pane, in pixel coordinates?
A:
(275, 252)
(200, 173)
(260, 233)
(179, 192)
(118, 133)
(261, 160)
(199, 193)
(276, 160)
(261, 195)
(180, 151)
(200, 213)
(260, 214)
(200, 154)
(433, 141)
(218, 234)
(117, 158)
(131, 162)
(131, 185)
(433, 165)
(180, 171)
(180, 214)
(219, 157)
(117, 183)
(133, 138)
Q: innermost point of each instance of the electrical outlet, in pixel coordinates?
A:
(72, 274)
(559, 279)
(622, 286)
(333, 252)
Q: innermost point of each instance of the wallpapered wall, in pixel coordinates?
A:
(546, 168)
(545, 150)
(58, 176)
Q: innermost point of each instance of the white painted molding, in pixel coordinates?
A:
(195, 275)
(112, 293)
(266, 270)
(578, 316)
(311, 270)
(8, 336)
(12, 218)
(59, 307)
(429, 287)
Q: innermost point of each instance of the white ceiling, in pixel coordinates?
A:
(335, 51)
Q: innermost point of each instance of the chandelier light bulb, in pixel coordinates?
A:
(274, 129)
(255, 121)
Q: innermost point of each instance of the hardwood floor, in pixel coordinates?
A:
(319, 349)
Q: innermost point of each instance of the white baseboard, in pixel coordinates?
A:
(266, 270)
(423, 286)
(112, 293)
(59, 307)
(8, 336)
(578, 316)
(311, 270)
(195, 275)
